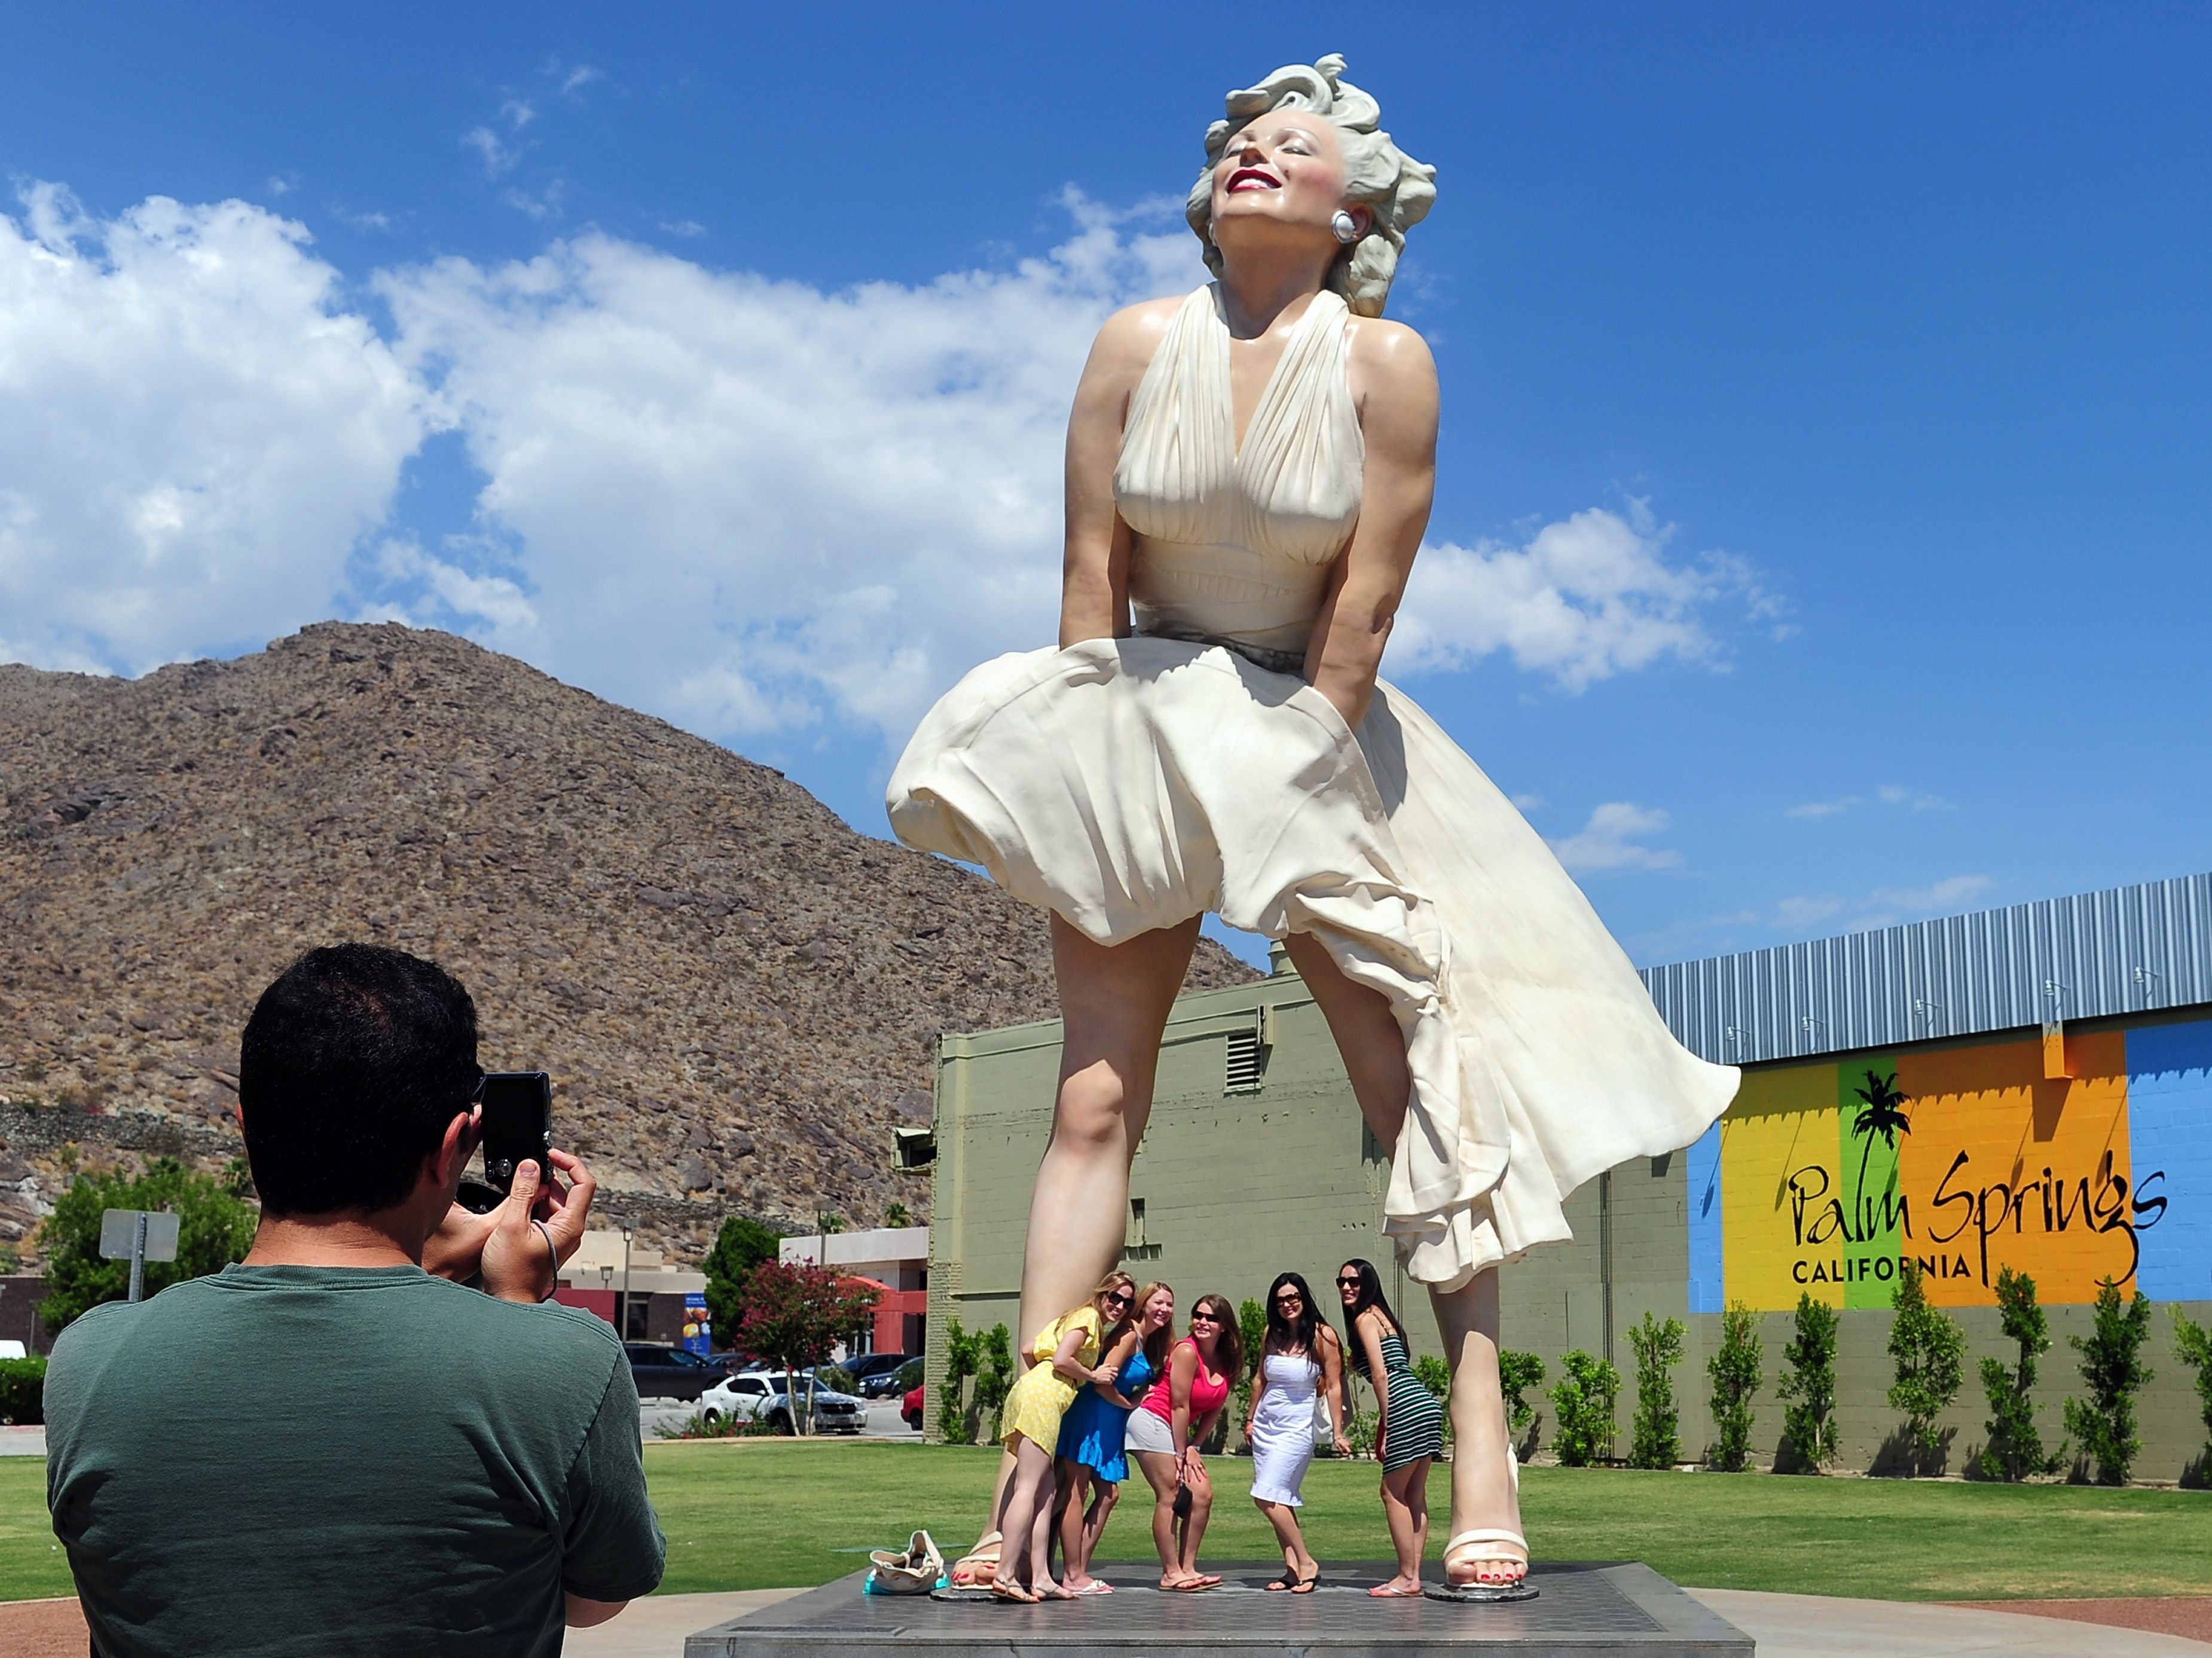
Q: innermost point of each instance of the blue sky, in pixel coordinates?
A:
(1821, 530)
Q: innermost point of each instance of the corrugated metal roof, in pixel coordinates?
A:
(2118, 951)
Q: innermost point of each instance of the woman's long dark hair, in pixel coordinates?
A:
(1229, 1345)
(1158, 1343)
(1284, 1336)
(1371, 1294)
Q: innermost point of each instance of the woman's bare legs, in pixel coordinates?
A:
(1027, 1524)
(1406, 1510)
(1374, 1051)
(1298, 1564)
(1190, 1530)
(1158, 1468)
(1081, 1523)
(1484, 1493)
(1113, 1004)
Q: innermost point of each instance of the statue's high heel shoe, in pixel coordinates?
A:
(1494, 1553)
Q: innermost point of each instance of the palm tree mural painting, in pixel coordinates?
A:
(1881, 1112)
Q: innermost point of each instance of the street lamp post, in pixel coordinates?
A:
(621, 1306)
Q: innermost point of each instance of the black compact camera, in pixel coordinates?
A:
(518, 1124)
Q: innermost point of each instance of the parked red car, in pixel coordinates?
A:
(910, 1410)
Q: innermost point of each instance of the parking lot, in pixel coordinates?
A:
(883, 1418)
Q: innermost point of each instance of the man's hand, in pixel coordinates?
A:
(536, 1229)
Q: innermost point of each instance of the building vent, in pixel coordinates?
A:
(913, 1149)
(1136, 1246)
(1242, 1073)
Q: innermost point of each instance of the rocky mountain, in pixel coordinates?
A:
(737, 995)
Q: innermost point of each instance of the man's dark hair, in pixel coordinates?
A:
(354, 1062)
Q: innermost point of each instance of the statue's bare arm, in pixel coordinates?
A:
(1095, 575)
(1394, 381)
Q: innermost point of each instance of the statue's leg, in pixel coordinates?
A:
(1374, 1049)
(1485, 1495)
(1367, 1037)
(1113, 1004)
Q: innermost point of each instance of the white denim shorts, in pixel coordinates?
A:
(1147, 1432)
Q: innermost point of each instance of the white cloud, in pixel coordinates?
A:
(580, 77)
(1610, 839)
(1937, 897)
(498, 158)
(759, 501)
(1889, 794)
(1585, 599)
(197, 435)
(747, 504)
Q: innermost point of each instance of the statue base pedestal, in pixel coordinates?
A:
(1580, 1609)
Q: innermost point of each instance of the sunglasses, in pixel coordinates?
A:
(1289, 1298)
(1119, 1298)
(1204, 1318)
(1348, 1284)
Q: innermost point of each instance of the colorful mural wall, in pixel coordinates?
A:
(2085, 1158)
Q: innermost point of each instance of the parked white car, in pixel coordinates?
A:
(757, 1396)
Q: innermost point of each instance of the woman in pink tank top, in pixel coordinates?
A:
(1166, 1428)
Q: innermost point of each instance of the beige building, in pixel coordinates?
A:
(1256, 1160)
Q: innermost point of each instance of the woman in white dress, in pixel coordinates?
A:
(1250, 472)
(1300, 1359)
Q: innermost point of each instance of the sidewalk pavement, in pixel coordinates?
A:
(1783, 1625)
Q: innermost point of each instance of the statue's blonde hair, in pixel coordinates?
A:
(1397, 190)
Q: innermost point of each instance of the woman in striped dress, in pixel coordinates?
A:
(1410, 1432)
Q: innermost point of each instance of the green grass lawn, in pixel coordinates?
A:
(764, 1514)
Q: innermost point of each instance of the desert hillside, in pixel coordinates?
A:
(737, 995)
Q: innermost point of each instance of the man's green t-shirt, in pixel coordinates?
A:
(317, 1460)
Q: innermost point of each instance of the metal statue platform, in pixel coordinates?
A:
(1584, 1609)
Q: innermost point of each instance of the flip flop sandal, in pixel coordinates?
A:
(1384, 1591)
(1285, 1581)
(1095, 1586)
(1194, 1586)
(1015, 1593)
(1305, 1585)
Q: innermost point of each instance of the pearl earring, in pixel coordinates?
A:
(1345, 227)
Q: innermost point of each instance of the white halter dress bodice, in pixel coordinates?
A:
(1236, 542)
(1130, 784)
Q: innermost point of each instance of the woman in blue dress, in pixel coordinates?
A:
(1092, 1462)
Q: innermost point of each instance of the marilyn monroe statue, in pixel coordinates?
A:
(1249, 473)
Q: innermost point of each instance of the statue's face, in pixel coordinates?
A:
(1285, 171)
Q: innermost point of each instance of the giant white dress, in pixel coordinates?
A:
(1130, 784)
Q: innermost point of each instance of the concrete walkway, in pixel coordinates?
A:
(1785, 1625)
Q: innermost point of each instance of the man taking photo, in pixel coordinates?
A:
(339, 1445)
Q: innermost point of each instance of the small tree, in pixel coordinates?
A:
(1809, 1422)
(1583, 1401)
(1252, 1325)
(794, 1315)
(895, 1214)
(1735, 1368)
(1930, 1351)
(1516, 1374)
(1658, 1424)
(994, 1375)
(2015, 1448)
(962, 1353)
(2193, 1342)
(2111, 1369)
(741, 1245)
(215, 1226)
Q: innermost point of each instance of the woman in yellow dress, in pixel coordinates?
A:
(1066, 1351)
